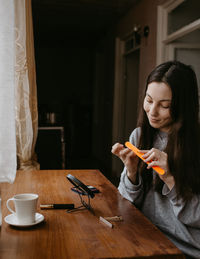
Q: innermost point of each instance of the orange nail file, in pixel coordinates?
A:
(139, 154)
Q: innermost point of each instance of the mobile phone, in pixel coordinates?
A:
(81, 188)
(93, 189)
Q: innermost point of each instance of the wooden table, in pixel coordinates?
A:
(79, 234)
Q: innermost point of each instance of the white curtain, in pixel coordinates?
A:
(18, 92)
(25, 87)
(7, 93)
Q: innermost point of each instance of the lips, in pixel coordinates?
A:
(154, 120)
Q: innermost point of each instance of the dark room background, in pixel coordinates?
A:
(74, 52)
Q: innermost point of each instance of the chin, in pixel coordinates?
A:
(154, 125)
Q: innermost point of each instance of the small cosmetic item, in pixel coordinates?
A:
(57, 206)
(106, 222)
(115, 218)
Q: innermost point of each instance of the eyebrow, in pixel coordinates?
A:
(163, 100)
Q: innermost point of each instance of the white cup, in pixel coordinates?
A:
(25, 207)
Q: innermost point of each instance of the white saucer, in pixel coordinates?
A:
(11, 219)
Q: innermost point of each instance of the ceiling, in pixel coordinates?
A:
(78, 15)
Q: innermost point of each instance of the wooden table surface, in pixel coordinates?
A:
(79, 234)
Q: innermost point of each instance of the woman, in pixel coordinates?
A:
(168, 135)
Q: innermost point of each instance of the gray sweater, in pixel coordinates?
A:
(178, 220)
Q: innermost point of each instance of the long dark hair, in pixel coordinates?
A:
(183, 147)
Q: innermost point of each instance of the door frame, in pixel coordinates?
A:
(119, 97)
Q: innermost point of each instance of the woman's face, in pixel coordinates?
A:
(157, 105)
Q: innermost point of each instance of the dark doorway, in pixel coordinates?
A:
(131, 92)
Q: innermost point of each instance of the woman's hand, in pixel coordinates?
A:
(129, 159)
(155, 157)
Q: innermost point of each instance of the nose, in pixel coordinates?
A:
(153, 110)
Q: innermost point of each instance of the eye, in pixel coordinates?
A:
(165, 106)
(148, 100)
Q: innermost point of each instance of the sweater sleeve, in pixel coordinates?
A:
(187, 212)
(133, 193)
